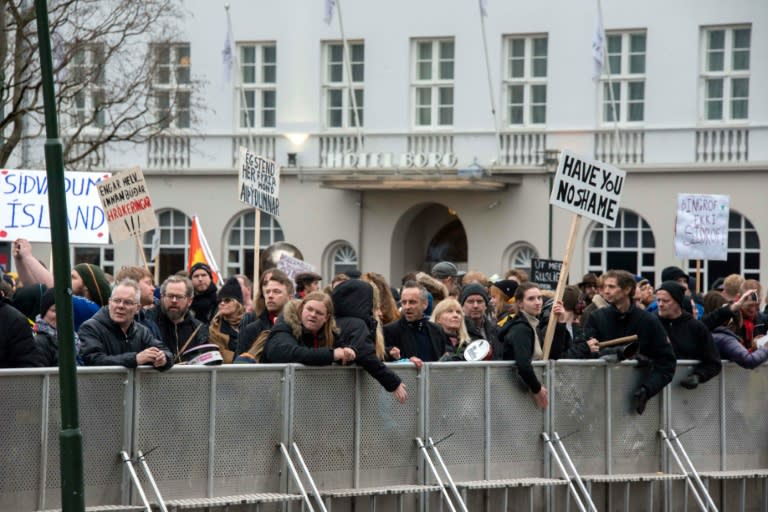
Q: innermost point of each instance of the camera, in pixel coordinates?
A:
(753, 295)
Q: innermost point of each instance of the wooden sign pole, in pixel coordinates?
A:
(561, 284)
(256, 244)
(137, 239)
(698, 276)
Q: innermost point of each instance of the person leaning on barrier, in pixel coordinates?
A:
(17, 346)
(179, 329)
(450, 316)
(224, 327)
(274, 293)
(305, 333)
(413, 336)
(355, 303)
(728, 342)
(690, 338)
(622, 318)
(113, 338)
(474, 299)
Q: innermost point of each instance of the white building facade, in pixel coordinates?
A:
(422, 171)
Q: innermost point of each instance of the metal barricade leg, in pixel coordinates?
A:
(695, 473)
(564, 471)
(129, 464)
(309, 478)
(432, 467)
(144, 466)
(452, 484)
(587, 496)
(689, 481)
(295, 474)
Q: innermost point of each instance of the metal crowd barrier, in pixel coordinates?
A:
(213, 432)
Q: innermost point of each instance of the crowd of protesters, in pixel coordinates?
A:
(361, 318)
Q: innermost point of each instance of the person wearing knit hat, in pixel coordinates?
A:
(224, 328)
(89, 281)
(474, 299)
(46, 333)
(204, 300)
(27, 300)
(690, 338)
(503, 300)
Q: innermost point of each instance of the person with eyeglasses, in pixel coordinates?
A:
(179, 329)
(224, 327)
(114, 338)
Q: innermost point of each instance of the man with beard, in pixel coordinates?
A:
(622, 318)
(277, 290)
(179, 329)
(204, 301)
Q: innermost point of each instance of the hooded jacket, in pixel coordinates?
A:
(103, 342)
(289, 342)
(353, 304)
(608, 323)
(692, 340)
(730, 347)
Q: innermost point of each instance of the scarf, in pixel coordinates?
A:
(538, 353)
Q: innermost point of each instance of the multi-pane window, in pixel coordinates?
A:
(525, 81)
(174, 228)
(242, 237)
(339, 107)
(630, 246)
(258, 85)
(100, 255)
(172, 83)
(623, 92)
(432, 86)
(87, 68)
(344, 259)
(725, 72)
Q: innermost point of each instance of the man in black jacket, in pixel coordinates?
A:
(413, 336)
(113, 338)
(204, 301)
(179, 329)
(474, 300)
(690, 338)
(622, 318)
(17, 346)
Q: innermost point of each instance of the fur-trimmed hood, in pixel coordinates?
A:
(438, 290)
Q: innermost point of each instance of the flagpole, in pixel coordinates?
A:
(348, 61)
(607, 70)
(490, 80)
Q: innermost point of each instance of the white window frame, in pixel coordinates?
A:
(270, 232)
(622, 80)
(527, 81)
(331, 85)
(258, 88)
(641, 249)
(105, 255)
(727, 74)
(173, 235)
(90, 75)
(434, 84)
(178, 91)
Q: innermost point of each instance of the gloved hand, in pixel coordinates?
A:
(639, 399)
(690, 382)
(642, 361)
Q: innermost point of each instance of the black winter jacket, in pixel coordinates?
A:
(251, 330)
(353, 304)
(175, 336)
(204, 304)
(609, 323)
(491, 335)
(289, 342)
(401, 335)
(103, 342)
(17, 345)
(692, 340)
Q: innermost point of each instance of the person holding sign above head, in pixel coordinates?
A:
(622, 318)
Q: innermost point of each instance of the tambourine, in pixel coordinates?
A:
(478, 350)
(205, 355)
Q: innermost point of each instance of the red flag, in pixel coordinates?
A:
(199, 251)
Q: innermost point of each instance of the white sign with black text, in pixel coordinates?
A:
(258, 182)
(701, 227)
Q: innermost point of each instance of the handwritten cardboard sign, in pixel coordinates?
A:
(588, 187)
(701, 228)
(127, 204)
(293, 266)
(24, 209)
(545, 273)
(258, 182)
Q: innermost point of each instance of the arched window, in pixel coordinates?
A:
(338, 257)
(629, 246)
(241, 241)
(519, 255)
(174, 228)
(743, 254)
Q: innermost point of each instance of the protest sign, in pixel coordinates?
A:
(258, 182)
(545, 273)
(701, 227)
(24, 209)
(127, 205)
(588, 187)
(293, 266)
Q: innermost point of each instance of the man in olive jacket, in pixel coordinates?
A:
(113, 338)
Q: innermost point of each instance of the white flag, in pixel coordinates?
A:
(228, 53)
(329, 6)
(484, 7)
(598, 48)
(155, 245)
